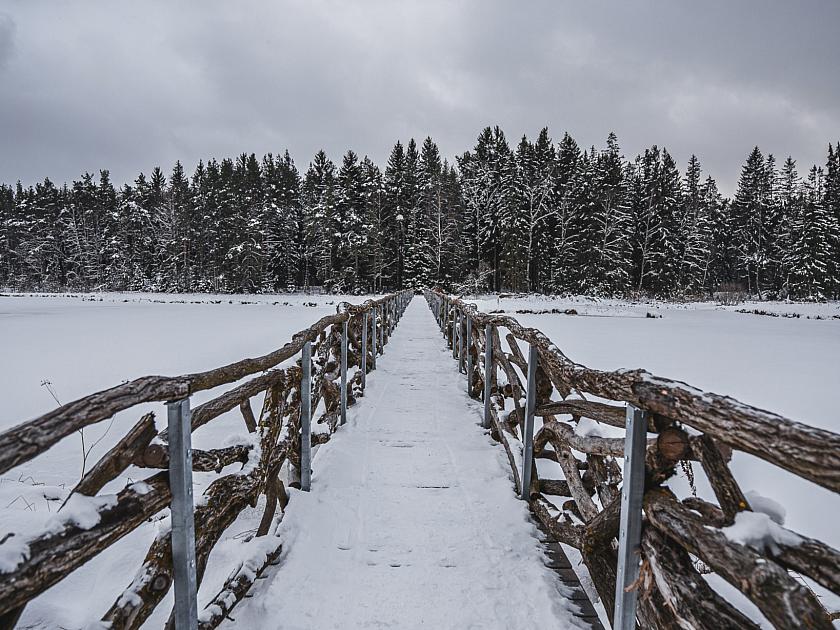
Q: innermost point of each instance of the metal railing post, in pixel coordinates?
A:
(488, 365)
(183, 518)
(454, 333)
(382, 329)
(306, 418)
(630, 528)
(344, 372)
(528, 437)
(373, 338)
(461, 344)
(364, 348)
(469, 356)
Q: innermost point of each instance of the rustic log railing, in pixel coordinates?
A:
(351, 337)
(583, 510)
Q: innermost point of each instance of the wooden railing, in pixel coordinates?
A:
(584, 509)
(355, 334)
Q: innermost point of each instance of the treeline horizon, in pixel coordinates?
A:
(540, 216)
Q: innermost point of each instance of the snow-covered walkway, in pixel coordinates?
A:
(412, 520)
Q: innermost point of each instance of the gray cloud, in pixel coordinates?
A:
(7, 38)
(129, 86)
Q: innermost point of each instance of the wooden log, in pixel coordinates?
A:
(234, 590)
(711, 513)
(559, 527)
(604, 527)
(516, 357)
(599, 412)
(248, 415)
(672, 444)
(726, 489)
(568, 463)
(782, 600)
(606, 477)
(62, 549)
(120, 457)
(689, 597)
(809, 557)
(157, 456)
(559, 487)
(589, 444)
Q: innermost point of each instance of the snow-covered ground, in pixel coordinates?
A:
(89, 342)
(787, 365)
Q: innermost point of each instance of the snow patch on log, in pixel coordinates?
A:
(760, 531)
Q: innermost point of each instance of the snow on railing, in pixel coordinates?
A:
(89, 522)
(757, 556)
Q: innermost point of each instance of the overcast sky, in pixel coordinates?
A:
(130, 85)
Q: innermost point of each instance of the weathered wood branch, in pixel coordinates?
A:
(723, 483)
(785, 602)
(120, 457)
(66, 546)
(684, 590)
(599, 412)
(157, 456)
(235, 589)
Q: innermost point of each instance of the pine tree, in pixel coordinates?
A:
(610, 272)
(562, 274)
(694, 240)
(751, 208)
(831, 202)
(418, 262)
(533, 190)
(322, 231)
(810, 255)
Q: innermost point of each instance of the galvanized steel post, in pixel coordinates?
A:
(461, 344)
(373, 338)
(344, 372)
(488, 366)
(382, 329)
(306, 418)
(364, 348)
(182, 508)
(454, 333)
(630, 528)
(528, 437)
(469, 355)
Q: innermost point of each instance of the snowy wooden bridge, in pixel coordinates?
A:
(409, 515)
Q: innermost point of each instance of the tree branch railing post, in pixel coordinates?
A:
(528, 433)
(182, 508)
(306, 418)
(630, 527)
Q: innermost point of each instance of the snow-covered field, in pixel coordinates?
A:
(86, 343)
